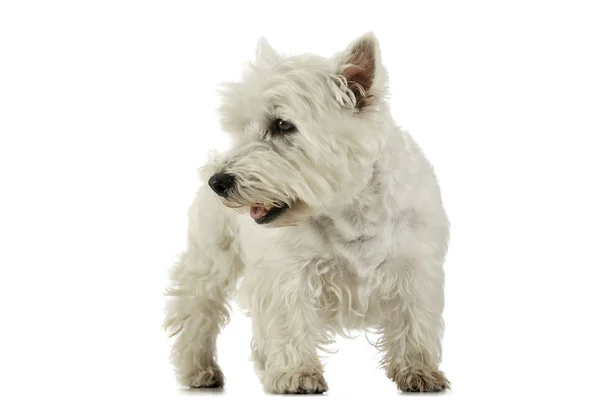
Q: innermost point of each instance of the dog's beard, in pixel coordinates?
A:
(261, 207)
(273, 214)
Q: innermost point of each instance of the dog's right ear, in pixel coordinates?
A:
(266, 53)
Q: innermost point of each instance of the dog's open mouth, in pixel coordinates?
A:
(263, 215)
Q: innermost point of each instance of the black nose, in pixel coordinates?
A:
(221, 183)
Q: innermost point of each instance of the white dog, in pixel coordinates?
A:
(358, 233)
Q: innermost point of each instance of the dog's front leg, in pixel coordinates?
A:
(412, 329)
(287, 331)
(202, 282)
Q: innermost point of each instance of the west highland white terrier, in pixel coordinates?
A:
(333, 217)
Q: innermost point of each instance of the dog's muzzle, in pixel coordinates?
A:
(223, 184)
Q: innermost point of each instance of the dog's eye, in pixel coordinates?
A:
(281, 126)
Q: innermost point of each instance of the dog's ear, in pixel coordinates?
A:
(360, 64)
(266, 53)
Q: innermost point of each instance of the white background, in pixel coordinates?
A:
(107, 109)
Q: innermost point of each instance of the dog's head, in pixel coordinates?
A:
(306, 131)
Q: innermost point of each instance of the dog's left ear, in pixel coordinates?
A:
(360, 64)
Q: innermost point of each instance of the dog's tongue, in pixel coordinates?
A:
(257, 212)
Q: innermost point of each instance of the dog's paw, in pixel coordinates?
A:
(420, 380)
(210, 377)
(300, 381)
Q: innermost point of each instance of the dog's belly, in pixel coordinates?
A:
(345, 300)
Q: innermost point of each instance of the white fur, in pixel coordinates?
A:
(362, 246)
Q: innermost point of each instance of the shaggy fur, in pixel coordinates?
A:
(359, 244)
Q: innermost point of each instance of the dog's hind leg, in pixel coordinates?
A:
(412, 329)
(201, 284)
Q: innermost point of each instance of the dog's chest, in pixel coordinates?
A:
(360, 245)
